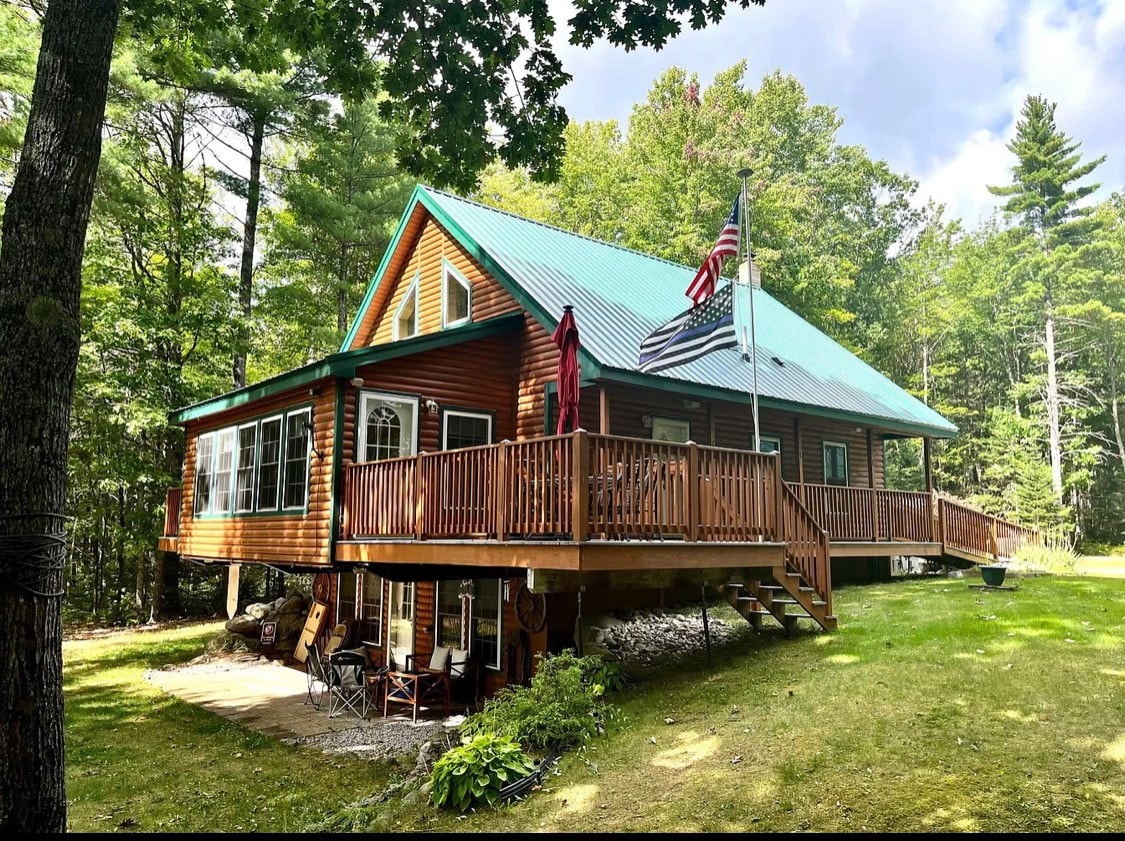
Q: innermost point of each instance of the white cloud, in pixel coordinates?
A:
(934, 87)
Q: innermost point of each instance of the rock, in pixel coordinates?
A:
(278, 602)
(246, 625)
(293, 604)
(258, 610)
(228, 642)
(289, 625)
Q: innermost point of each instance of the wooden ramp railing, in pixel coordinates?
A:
(173, 502)
(968, 531)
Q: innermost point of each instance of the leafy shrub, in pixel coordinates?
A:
(474, 773)
(605, 674)
(560, 708)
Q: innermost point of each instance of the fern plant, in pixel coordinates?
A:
(474, 773)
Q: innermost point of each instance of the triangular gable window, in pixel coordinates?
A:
(406, 316)
(456, 297)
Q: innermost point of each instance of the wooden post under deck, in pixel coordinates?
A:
(233, 571)
(871, 484)
(603, 410)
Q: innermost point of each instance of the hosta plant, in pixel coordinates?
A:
(474, 773)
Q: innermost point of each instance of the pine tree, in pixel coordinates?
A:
(1044, 196)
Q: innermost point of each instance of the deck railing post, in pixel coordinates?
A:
(579, 488)
(693, 481)
(778, 525)
(501, 486)
(875, 515)
(941, 522)
(419, 499)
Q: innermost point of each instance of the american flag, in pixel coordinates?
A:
(691, 334)
(703, 286)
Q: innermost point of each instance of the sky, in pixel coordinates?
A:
(932, 86)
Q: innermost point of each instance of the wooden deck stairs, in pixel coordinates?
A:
(787, 601)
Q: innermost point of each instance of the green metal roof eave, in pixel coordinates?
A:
(720, 393)
(377, 280)
(345, 364)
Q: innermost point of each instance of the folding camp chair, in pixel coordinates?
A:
(347, 689)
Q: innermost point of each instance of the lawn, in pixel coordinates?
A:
(139, 759)
(933, 707)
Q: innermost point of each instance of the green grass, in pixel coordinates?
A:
(933, 707)
(140, 759)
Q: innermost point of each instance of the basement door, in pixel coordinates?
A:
(400, 628)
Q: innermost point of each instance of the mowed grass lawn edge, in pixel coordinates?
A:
(933, 707)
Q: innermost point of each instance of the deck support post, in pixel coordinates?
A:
(419, 498)
(779, 533)
(233, 571)
(603, 410)
(927, 464)
(579, 489)
(706, 623)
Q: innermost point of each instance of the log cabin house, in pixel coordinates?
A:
(417, 471)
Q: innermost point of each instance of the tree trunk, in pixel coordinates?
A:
(1054, 427)
(44, 233)
(249, 235)
(1115, 407)
(342, 292)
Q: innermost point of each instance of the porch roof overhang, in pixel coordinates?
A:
(345, 364)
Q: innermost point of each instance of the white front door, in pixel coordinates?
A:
(387, 426)
(400, 629)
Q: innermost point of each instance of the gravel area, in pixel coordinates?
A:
(648, 639)
(383, 738)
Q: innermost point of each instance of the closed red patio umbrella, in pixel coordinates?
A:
(566, 337)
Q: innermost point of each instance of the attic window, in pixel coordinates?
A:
(406, 316)
(456, 297)
(778, 361)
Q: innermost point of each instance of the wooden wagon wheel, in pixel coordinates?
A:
(531, 609)
(321, 587)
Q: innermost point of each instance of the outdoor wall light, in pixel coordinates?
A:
(646, 421)
(357, 382)
(312, 439)
(692, 404)
(431, 406)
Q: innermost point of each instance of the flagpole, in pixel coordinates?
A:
(745, 174)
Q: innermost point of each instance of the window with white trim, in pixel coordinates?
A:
(244, 475)
(448, 612)
(269, 469)
(672, 430)
(346, 596)
(768, 444)
(484, 638)
(406, 316)
(371, 608)
(835, 463)
(204, 472)
(462, 429)
(456, 297)
(388, 426)
(224, 465)
(296, 460)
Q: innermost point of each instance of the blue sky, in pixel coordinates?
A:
(932, 86)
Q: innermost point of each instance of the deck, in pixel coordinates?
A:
(586, 505)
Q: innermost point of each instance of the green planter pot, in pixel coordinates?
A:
(993, 574)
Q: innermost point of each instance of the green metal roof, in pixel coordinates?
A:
(620, 296)
(345, 363)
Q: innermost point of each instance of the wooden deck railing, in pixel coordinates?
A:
(600, 487)
(575, 487)
(968, 530)
(807, 545)
(172, 503)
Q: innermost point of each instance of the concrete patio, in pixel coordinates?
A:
(268, 697)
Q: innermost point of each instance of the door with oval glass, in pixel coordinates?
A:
(388, 426)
